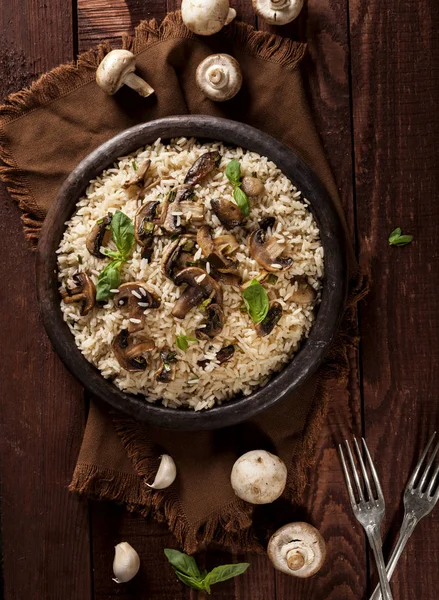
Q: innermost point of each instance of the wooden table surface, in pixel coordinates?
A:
(372, 77)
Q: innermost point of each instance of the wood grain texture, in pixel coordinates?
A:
(395, 49)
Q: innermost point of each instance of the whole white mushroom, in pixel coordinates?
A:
(117, 69)
(259, 477)
(297, 549)
(206, 17)
(219, 77)
(278, 12)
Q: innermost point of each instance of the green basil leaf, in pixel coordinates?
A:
(122, 229)
(233, 172)
(109, 279)
(396, 239)
(225, 572)
(242, 201)
(112, 254)
(182, 563)
(395, 234)
(191, 581)
(256, 301)
(181, 342)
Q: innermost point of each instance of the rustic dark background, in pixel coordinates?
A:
(373, 80)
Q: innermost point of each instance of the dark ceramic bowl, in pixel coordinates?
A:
(305, 362)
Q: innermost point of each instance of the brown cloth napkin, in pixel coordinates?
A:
(44, 132)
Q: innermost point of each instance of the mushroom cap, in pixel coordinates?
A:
(83, 292)
(267, 253)
(252, 186)
(272, 318)
(206, 17)
(113, 69)
(228, 213)
(278, 12)
(297, 549)
(129, 355)
(259, 477)
(219, 77)
(99, 236)
(129, 296)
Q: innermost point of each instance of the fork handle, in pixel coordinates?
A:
(408, 525)
(375, 541)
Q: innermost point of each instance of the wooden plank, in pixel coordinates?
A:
(44, 528)
(395, 51)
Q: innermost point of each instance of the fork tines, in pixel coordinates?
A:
(424, 486)
(371, 496)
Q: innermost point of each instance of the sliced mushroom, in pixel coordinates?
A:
(130, 355)
(144, 227)
(177, 205)
(225, 354)
(83, 292)
(207, 244)
(305, 293)
(176, 256)
(202, 167)
(272, 318)
(268, 253)
(139, 175)
(233, 279)
(135, 298)
(214, 323)
(297, 549)
(166, 372)
(200, 286)
(252, 186)
(228, 213)
(226, 244)
(99, 236)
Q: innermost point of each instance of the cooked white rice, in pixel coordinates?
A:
(255, 358)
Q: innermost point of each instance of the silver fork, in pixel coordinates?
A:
(369, 512)
(417, 504)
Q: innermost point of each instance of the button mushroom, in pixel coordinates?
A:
(200, 286)
(228, 213)
(268, 253)
(304, 293)
(83, 292)
(202, 167)
(117, 69)
(252, 186)
(259, 477)
(214, 323)
(278, 12)
(135, 298)
(166, 372)
(206, 17)
(130, 355)
(144, 227)
(297, 549)
(272, 318)
(139, 176)
(99, 236)
(219, 77)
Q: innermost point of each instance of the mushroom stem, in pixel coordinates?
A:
(230, 16)
(295, 560)
(138, 84)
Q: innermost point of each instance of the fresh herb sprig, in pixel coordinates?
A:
(256, 301)
(233, 174)
(182, 341)
(189, 573)
(122, 230)
(397, 239)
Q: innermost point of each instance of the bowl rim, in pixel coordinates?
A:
(305, 362)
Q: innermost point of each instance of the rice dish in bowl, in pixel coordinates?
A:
(176, 363)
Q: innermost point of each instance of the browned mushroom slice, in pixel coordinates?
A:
(268, 253)
(99, 236)
(202, 167)
(233, 279)
(225, 353)
(228, 213)
(252, 186)
(266, 222)
(214, 323)
(171, 219)
(166, 372)
(176, 256)
(83, 292)
(200, 286)
(135, 298)
(144, 227)
(226, 244)
(305, 293)
(192, 213)
(213, 255)
(139, 175)
(272, 318)
(130, 355)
